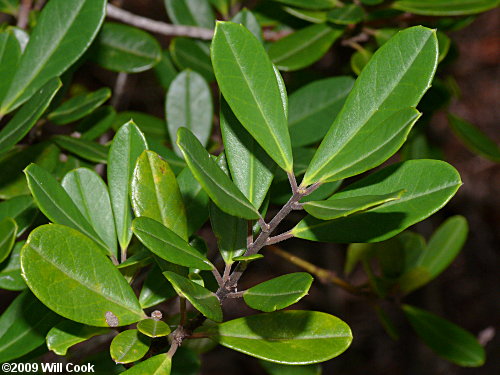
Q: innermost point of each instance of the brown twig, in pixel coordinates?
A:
(24, 12)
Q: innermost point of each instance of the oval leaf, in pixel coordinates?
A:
(195, 200)
(445, 7)
(8, 231)
(158, 365)
(10, 270)
(311, 4)
(153, 328)
(192, 54)
(10, 54)
(247, 19)
(129, 346)
(67, 333)
(192, 12)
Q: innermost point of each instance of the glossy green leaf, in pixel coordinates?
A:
(123, 48)
(474, 139)
(201, 298)
(129, 346)
(10, 54)
(314, 107)
(90, 194)
(10, 270)
(83, 148)
(165, 70)
(23, 326)
(346, 15)
(429, 185)
(445, 7)
(334, 208)
(54, 46)
(176, 163)
(167, 244)
(247, 19)
(215, 182)
(248, 258)
(22, 209)
(304, 47)
(27, 116)
(153, 328)
(192, 54)
(128, 144)
(310, 4)
(189, 104)
(278, 293)
(79, 106)
(8, 231)
(445, 338)
(247, 81)
(273, 368)
(155, 193)
(314, 16)
(69, 273)
(158, 365)
(288, 337)
(155, 289)
(191, 12)
(195, 200)
(67, 333)
(377, 114)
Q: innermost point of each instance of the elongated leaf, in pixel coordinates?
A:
(168, 245)
(191, 12)
(153, 328)
(10, 54)
(192, 54)
(67, 333)
(310, 4)
(83, 148)
(445, 338)
(70, 275)
(158, 365)
(129, 346)
(288, 337)
(155, 193)
(79, 106)
(54, 46)
(376, 116)
(195, 200)
(304, 47)
(97, 123)
(314, 107)
(217, 185)
(90, 194)
(278, 293)
(165, 70)
(247, 19)
(27, 116)
(23, 326)
(22, 209)
(123, 48)
(247, 80)
(346, 15)
(429, 185)
(201, 298)
(8, 231)
(10, 270)
(189, 104)
(127, 146)
(445, 7)
(155, 289)
(314, 16)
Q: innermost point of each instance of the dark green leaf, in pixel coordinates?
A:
(195, 200)
(158, 365)
(8, 231)
(346, 15)
(9, 6)
(310, 4)
(192, 54)
(10, 54)
(67, 333)
(22, 209)
(192, 12)
(97, 123)
(359, 59)
(152, 126)
(83, 148)
(279, 369)
(314, 16)
(129, 346)
(153, 328)
(445, 7)
(444, 45)
(248, 258)
(155, 289)
(10, 270)
(247, 19)
(165, 70)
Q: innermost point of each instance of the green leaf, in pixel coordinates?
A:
(10, 54)
(155, 289)
(201, 298)
(165, 70)
(248, 82)
(97, 123)
(288, 337)
(9, 6)
(248, 258)
(314, 16)
(314, 107)
(79, 106)
(8, 231)
(347, 15)
(304, 47)
(195, 200)
(189, 104)
(278, 293)
(22, 209)
(214, 181)
(160, 364)
(67, 333)
(192, 54)
(23, 326)
(90, 194)
(54, 46)
(279, 369)
(222, 6)
(247, 19)
(10, 270)
(27, 116)
(444, 45)
(155, 193)
(123, 48)
(377, 114)
(83, 148)
(192, 13)
(70, 275)
(429, 185)
(167, 244)
(129, 346)
(128, 144)
(445, 7)
(445, 338)
(152, 126)
(474, 139)
(153, 328)
(310, 4)
(359, 59)
(334, 208)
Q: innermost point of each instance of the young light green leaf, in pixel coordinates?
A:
(54, 46)
(247, 19)
(67, 333)
(167, 244)
(278, 293)
(22, 209)
(129, 346)
(195, 200)
(347, 15)
(158, 365)
(273, 368)
(359, 59)
(83, 148)
(377, 114)
(79, 106)
(10, 270)
(155, 289)
(70, 275)
(10, 54)
(189, 104)
(201, 298)
(192, 13)
(192, 54)
(128, 144)
(153, 328)
(8, 231)
(155, 193)
(445, 7)
(214, 181)
(422, 198)
(334, 208)
(292, 337)
(247, 80)
(445, 338)
(310, 4)
(123, 48)
(304, 47)
(27, 116)
(165, 70)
